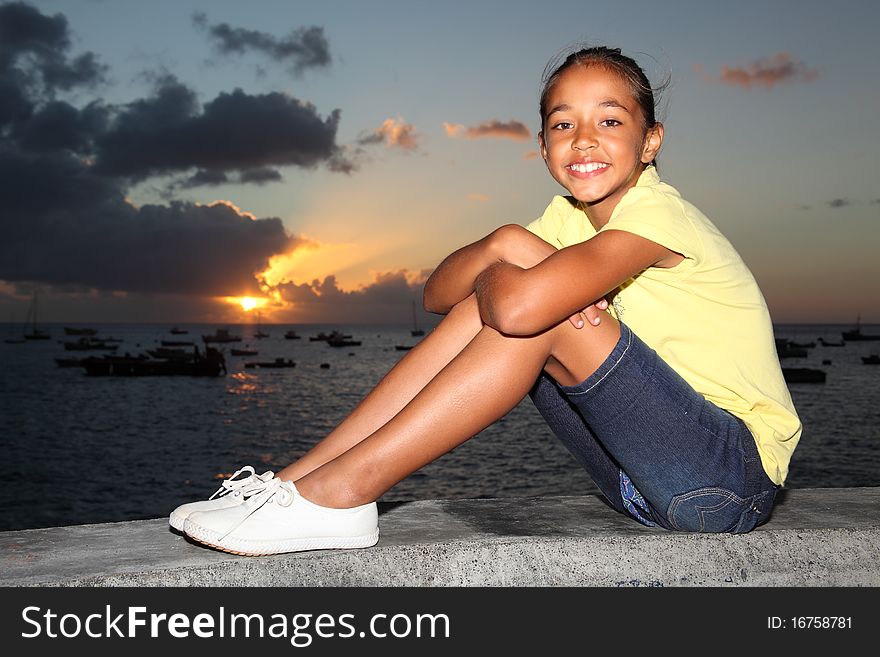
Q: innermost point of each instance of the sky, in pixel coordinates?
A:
(159, 161)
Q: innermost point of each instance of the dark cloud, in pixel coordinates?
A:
(765, 72)
(168, 132)
(839, 203)
(33, 57)
(260, 176)
(301, 49)
(206, 178)
(62, 224)
(388, 299)
(65, 172)
(515, 130)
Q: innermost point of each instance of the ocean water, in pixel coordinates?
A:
(79, 449)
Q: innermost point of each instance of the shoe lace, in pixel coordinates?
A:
(273, 491)
(246, 486)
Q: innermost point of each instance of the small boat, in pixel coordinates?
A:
(343, 342)
(803, 375)
(873, 359)
(178, 331)
(333, 335)
(68, 362)
(90, 344)
(260, 333)
(272, 364)
(244, 352)
(801, 345)
(416, 331)
(856, 335)
(177, 343)
(221, 335)
(35, 334)
(826, 343)
(70, 330)
(785, 349)
(402, 347)
(169, 353)
(291, 335)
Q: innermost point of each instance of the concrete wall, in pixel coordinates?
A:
(816, 537)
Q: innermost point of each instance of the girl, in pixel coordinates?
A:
(674, 402)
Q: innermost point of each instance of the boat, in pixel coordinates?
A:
(221, 335)
(343, 342)
(291, 335)
(272, 364)
(35, 334)
(178, 331)
(416, 331)
(801, 345)
(90, 344)
(177, 343)
(70, 330)
(803, 375)
(244, 352)
(333, 335)
(785, 349)
(826, 343)
(856, 335)
(211, 364)
(168, 353)
(873, 359)
(260, 333)
(68, 362)
(402, 347)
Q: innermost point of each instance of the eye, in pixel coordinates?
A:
(562, 125)
(610, 123)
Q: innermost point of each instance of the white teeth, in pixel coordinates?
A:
(587, 168)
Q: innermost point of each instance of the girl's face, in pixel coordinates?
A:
(594, 140)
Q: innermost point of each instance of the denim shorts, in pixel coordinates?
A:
(657, 449)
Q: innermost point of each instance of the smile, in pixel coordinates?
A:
(586, 167)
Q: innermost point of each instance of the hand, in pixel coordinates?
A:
(591, 314)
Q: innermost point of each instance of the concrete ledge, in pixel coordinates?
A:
(816, 537)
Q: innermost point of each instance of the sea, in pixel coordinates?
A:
(80, 449)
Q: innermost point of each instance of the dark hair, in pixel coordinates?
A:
(611, 59)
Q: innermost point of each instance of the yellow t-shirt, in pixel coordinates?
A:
(706, 317)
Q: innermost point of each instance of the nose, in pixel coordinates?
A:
(584, 139)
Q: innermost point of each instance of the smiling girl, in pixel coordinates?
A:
(673, 400)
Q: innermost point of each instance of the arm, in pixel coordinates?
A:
(455, 277)
(520, 301)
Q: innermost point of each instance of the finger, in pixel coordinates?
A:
(577, 320)
(593, 315)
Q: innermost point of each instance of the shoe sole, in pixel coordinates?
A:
(263, 548)
(177, 521)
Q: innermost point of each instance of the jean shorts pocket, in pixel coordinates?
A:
(708, 510)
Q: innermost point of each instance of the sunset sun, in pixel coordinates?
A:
(248, 303)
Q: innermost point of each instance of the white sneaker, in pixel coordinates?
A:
(279, 519)
(232, 492)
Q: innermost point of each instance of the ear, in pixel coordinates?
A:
(653, 142)
(542, 146)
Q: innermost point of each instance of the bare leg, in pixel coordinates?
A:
(480, 385)
(396, 389)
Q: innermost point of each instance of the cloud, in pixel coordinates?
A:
(500, 129)
(839, 203)
(479, 198)
(168, 132)
(394, 133)
(34, 64)
(765, 72)
(65, 171)
(388, 299)
(302, 49)
(531, 155)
